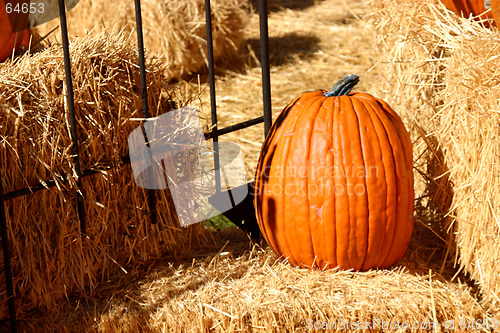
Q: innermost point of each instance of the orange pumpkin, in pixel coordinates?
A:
(9, 40)
(468, 7)
(334, 181)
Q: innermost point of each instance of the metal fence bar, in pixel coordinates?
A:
(264, 60)
(151, 196)
(213, 106)
(236, 127)
(72, 118)
(51, 183)
(7, 264)
(124, 161)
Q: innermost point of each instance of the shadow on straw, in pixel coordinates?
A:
(283, 49)
(278, 5)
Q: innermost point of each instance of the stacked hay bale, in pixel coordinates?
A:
(245, 288)
(444, 72)
(173, 30)
(50, 258)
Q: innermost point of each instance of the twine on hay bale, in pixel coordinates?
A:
(444, 72)
(50, 259)
(174, 30)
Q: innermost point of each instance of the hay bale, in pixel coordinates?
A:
(257, 291)
(179, 30)
(50, 259)
(232, 287)
(444, 72)
(35, 126)
(173, 30)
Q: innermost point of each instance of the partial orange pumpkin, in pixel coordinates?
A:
(334, 181)
(495, 10)
(474, 7)
(11, 41)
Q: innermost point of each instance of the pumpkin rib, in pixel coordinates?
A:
(281, 242)
(312, 221)
(358, 205)
(406, 143)
(358, 108)
(330, 206)
(356, 104)
(266, 160)
(306, 197)
(283, 148)
(298, 219)
(374, 186)
(281, 227)
(324, 228)
(389, 172)
(320, 143)
(405, 140)
(259, 181)
(401, 188)
(396, 200)
(342, 201)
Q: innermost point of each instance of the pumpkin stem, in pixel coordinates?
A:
(344, 86)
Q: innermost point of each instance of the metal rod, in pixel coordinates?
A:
(213, 106)
(142, 60)
(124, 161)
(72, 118)
(6, 260)
(151, 196)
(236, 127)
(264, 60)
(51, 183)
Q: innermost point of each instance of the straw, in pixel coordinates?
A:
(49, 257)
(444, 72)
(173, 30)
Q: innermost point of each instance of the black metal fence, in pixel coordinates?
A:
(213, 134)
